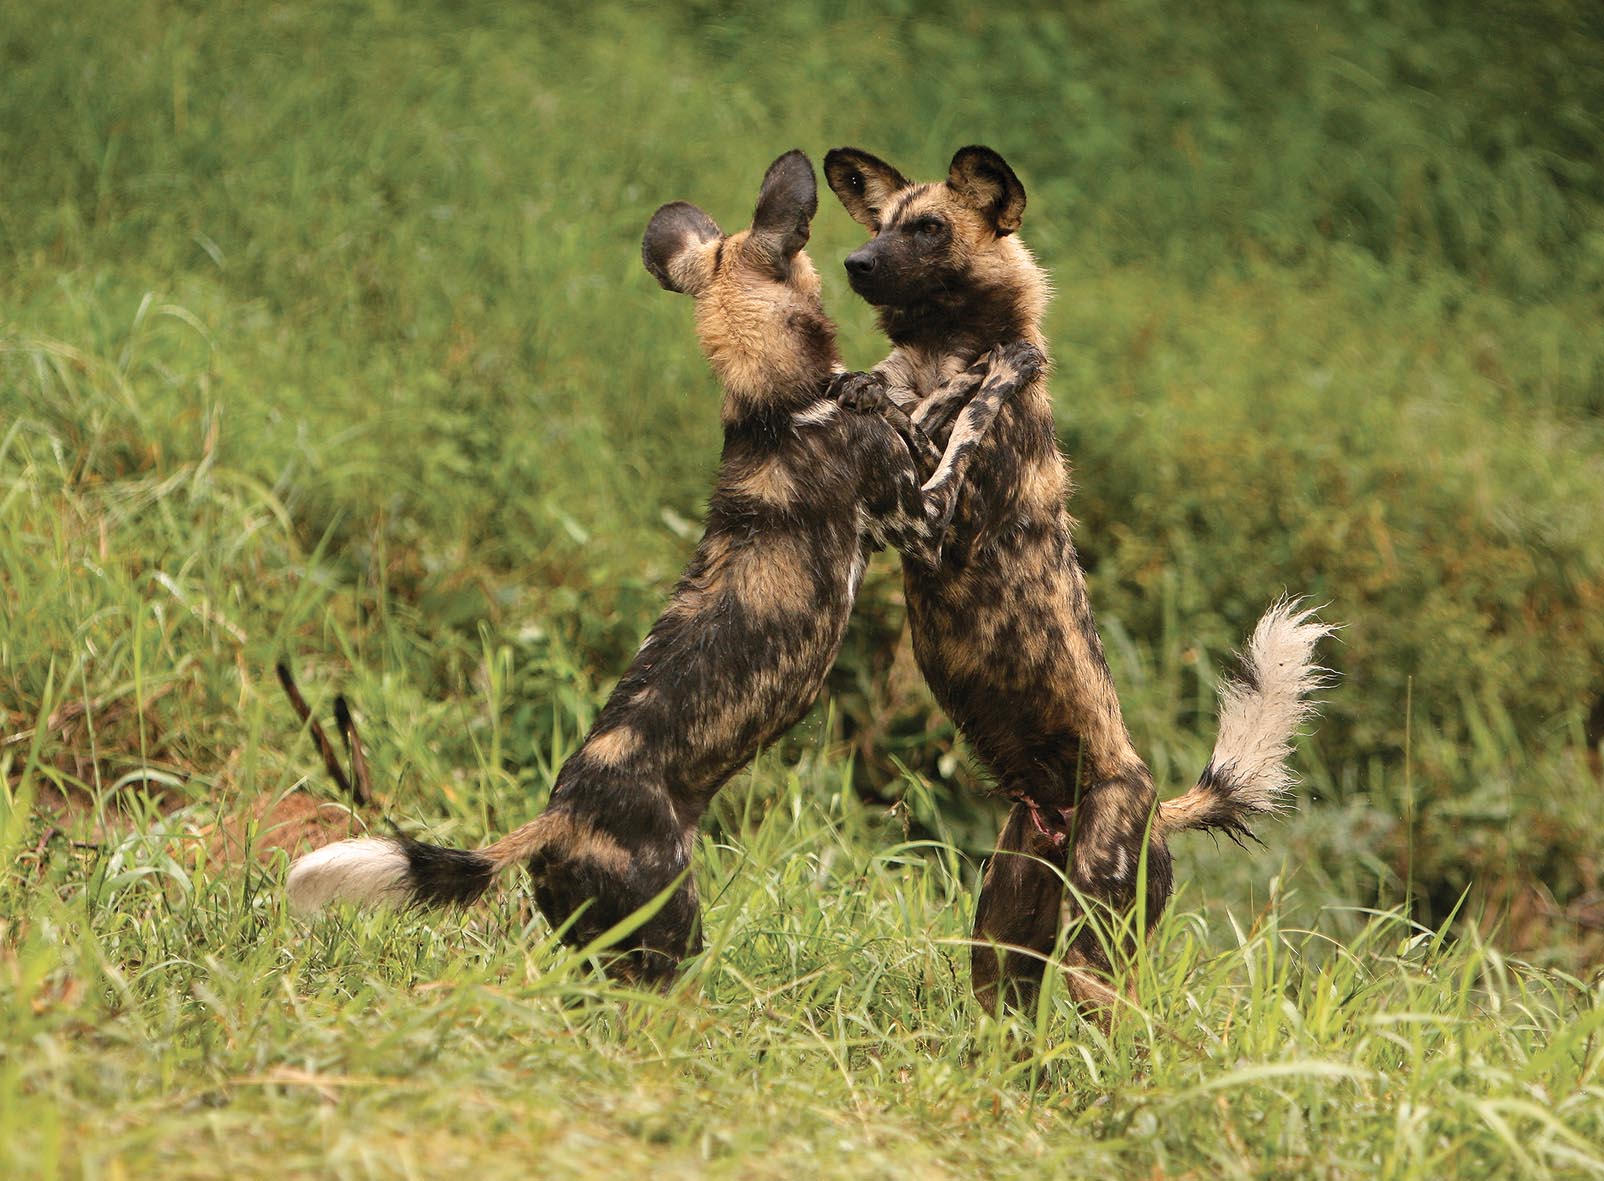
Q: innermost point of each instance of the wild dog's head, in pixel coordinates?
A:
(944, 255)
(759, 317)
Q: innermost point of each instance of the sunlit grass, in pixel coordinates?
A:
(163, 1015)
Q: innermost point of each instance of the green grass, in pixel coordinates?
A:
(163, 1018)
(323, 335)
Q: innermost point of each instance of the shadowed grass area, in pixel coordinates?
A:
(323, 335)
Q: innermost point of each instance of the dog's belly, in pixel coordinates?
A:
(1007, 657)
(1004, 632)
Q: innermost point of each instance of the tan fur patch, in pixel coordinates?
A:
(1043, 485)
(695, 594)
(522, 842)
(692, 268)
(968, 659)
(613, 746)
(1009, 262)
(744, 322)
(773, 579)
(804, 278)
(769, 482)
(1183, 812)
(600, 849)
(972, 234)
(556, 831)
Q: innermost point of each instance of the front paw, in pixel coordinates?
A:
(861, 393)
(1025, 358)
(982, 364)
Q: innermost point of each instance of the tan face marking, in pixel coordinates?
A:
(972, 236)
(911, 204)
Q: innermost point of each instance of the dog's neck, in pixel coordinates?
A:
(752, 426)
(772, 379)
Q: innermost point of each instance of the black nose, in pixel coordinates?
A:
(860, 263)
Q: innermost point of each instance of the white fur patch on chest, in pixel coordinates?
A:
(821, 412)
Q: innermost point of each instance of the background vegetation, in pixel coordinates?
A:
(323, 334)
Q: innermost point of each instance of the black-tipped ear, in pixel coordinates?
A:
(785, 206)
(982, 180)
(862, 182)
(671, 247)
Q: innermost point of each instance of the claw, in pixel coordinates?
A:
(861, 393)
(1027, 359)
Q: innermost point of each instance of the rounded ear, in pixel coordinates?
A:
(785, 207)
(863, 183)
(981, 179)
(671, 248)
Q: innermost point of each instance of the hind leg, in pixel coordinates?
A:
(1116, 865)
(1018, 914)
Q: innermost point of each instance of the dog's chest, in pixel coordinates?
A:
(923, 372)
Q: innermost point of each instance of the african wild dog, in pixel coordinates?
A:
(1003, 631)
(754, 623)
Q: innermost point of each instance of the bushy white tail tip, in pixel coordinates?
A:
(367, 872)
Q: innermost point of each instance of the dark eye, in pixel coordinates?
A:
(928, 228)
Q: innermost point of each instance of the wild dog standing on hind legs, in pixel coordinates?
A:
(755, 621)
(1003, 631)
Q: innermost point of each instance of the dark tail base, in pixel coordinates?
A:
(439, 876)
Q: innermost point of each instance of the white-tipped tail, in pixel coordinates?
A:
(367, 872)
(1260, 715)
(399, 871)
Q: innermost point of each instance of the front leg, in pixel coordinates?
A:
(1019, 910)
(934, 414)
(897, 515)
(1013, 367)
(870, 393)
(919, 526)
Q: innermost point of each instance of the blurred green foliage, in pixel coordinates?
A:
(322, 330)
